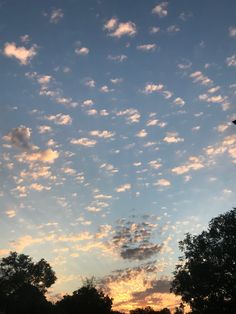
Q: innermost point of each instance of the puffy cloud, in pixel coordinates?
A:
(147, 47)
(61, 119)
(161, 9)
(132, 115)
(90, 83)
(83, 51)
(162, 182)
(232, 31)
(172, 137)
(154, 30)
(105, 89)
(111, 24)
(56, 16)
(19, 137)
(172, 29)
(123, 188)
(231, 61)
(22, 54)
(150, 88)
(44, 156)
(194, 163)
(44, 129)
(10, 213)
(117, 58)
(198, 77)
(39, 187)
(179, 101)
(116, 80)
(110, 169)
(116, 29)
(142, 133)
(84, 141)
(154, 164)
(44, 79)
(102, 134)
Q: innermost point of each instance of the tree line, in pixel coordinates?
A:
(205, 278)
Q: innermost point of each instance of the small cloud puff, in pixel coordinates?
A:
(147, 47)
(161, 9)
(118, 30)
(56, 16)
(22, 54)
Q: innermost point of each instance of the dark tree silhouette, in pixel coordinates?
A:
(87, 299)
(206, 275)
(149, 310)
(21, 279)
(179, 309)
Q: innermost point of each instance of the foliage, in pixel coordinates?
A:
(87, 299)
(18, 269)
(206, 275)
(149, 310)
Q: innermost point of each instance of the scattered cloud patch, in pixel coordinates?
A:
(22, 54)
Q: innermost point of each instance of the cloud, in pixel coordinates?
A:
(154, 30)
(83, 51)
(90, 83)
(179, 102)
(44, 156)
(111, 24)
(198, 77)
(123, 188)
(147, 47)
(154, 164)
(60, 119)
(39, 187)
(232, 31)
(133, 240)
(151, 88)
(56, 16)
(110, 169)
(44, 129)
(132, 115)
(162, 182)
(105, 89)
(117, 58)
(102, 134)
(22, 54)
(116, 29)
(172, 29)
(142, 133)
(194, 163)
(231, 61)
(84, 141)
(161, 9)
(116, 80)
(172, 137)
(10, 213)
(19, 137)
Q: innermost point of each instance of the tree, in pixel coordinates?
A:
(21, 279)
(87, 299)
(18, 269)
(206, 275)
(149, 310)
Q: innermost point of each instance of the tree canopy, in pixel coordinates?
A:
(205, 278)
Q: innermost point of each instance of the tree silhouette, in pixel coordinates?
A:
(87, 299)
(206, 275)
(20, 280)
(149, 310)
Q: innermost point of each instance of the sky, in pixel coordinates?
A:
(116, 137)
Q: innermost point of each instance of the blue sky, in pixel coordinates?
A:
(116, 136)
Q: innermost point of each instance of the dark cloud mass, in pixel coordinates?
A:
(19, 137)
(158, 286)
(134, 240)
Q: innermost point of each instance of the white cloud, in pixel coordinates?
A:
(161, 9)
(172, 29)
(61, 119)
(105, 89)
(116, 80)
(179, 101)
(102, 134)
(231, 61)
(194, 163)
(162, 182)
(84, 141)
(123, 188)
(198, 77)
(132, 115)
(172, 137)
(154, 30)
(44, 129)
(83, 51)
(142, 133)
(56, 16)
(151, 88)
(232, 31)
(44, 156)
(10, 213)
(90, 83)
(147, 47)
(117, 58)
(22, 54)
(118, 30)
(155, 164)
(111, 24)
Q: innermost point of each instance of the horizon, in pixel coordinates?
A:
(116, 137)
